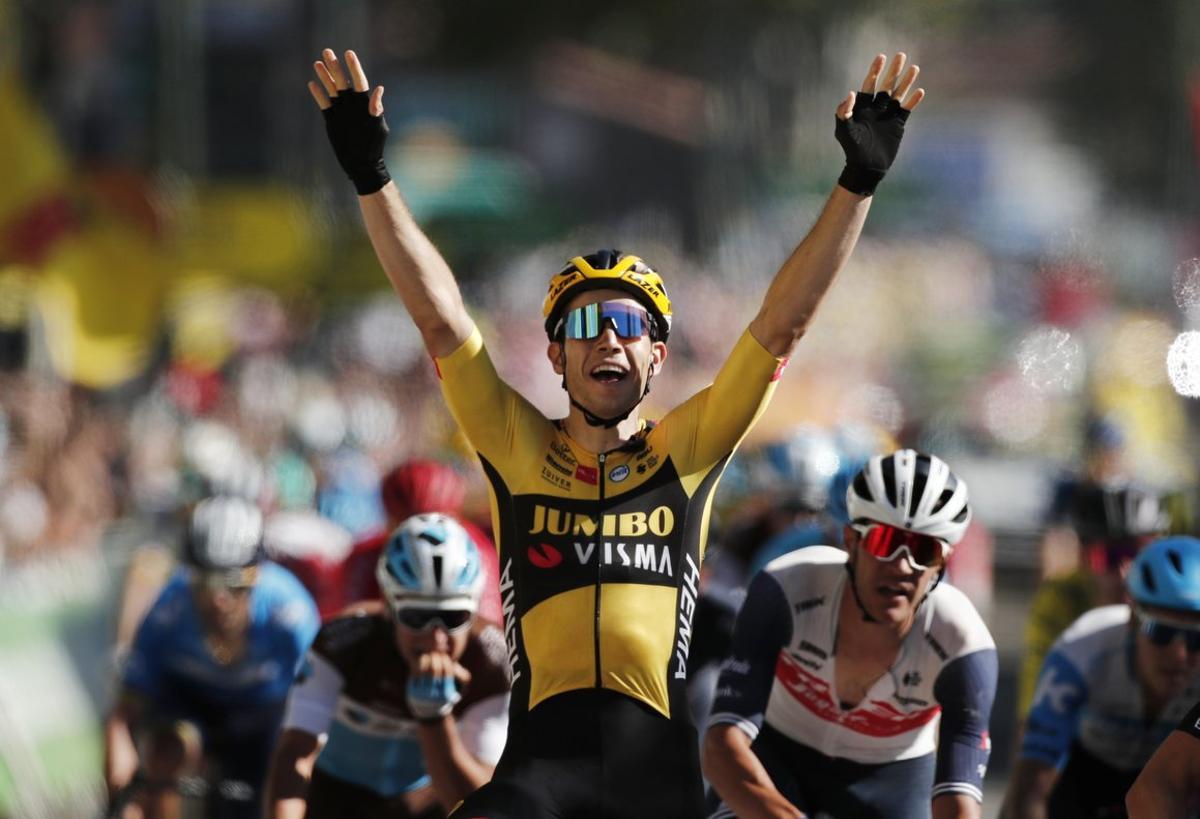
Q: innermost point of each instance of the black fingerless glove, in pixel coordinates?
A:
(871, 138)
(357, 138)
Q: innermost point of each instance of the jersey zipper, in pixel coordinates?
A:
(600, 459)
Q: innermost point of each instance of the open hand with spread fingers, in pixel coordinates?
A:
(870, 123)
(353, 119)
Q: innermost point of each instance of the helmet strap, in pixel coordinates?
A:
(866, 616)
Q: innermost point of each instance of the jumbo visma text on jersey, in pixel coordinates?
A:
(600, 553)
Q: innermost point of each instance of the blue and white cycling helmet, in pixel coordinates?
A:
(806, 461)
(430, 562)
(1166, 574)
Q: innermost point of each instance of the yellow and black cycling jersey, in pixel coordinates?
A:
(600, 553)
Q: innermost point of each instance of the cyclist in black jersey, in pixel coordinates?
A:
(601, 517)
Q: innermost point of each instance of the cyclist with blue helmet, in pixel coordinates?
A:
(1111, 689)
(401, 707)
(210, 667)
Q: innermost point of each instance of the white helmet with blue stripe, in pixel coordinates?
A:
(430, 562)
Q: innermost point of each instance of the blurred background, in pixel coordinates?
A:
(186, 292)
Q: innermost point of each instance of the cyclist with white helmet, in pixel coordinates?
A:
(401, 707)
(1112, 688)
(210, 666)
(859, 684)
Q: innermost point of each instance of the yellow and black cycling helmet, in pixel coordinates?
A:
(609, 269)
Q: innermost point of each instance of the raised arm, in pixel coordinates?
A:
(418, 273)
(869, 127)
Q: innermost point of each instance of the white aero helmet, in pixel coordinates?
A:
(430, 562)
(913, 491)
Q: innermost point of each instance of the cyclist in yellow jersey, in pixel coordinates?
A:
(601, 517)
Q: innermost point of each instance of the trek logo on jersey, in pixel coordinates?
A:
(911, 678)
(544, 556)
(659, 521)
(805, 645)
(618, 473)
(811, 603)
(508, 604)
(689, 590)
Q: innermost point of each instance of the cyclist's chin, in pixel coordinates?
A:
(892, 608)
(607, 400)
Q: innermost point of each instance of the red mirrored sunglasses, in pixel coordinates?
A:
(885, 542)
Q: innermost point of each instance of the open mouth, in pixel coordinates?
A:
(608, 374)
(904, 590)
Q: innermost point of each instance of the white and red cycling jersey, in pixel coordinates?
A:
(933, 702)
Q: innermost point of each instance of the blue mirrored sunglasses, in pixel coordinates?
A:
(1163, 634)
(589, 321)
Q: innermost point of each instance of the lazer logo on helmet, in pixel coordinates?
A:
(659, 521)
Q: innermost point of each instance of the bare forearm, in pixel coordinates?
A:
(1151, 799)
(118, 747)
(802, 282)
(955, 806)
(454, 770)
(291, 772)
(740, 779)
(417, 271)
(1029, 790)
(1169, 780)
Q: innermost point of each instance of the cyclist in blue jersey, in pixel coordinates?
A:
(401, 708)
(859, 685)
(211, 664)
(1111, 689)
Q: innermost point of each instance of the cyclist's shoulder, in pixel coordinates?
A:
(281, 601)
(955, 623)
(1097, 633)
(173, 604)
(355, 627)
(811, 567)
(1099, 625)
